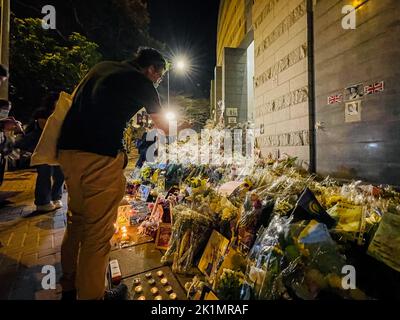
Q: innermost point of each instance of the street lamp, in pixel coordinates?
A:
(181, 66)
(170, 116)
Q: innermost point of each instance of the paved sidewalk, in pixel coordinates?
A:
(27, 243)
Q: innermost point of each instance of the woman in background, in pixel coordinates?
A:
(50, 179)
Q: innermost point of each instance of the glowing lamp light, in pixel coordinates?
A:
(170, 116)
(181, 65)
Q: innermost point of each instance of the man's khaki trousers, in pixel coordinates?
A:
(96, 185)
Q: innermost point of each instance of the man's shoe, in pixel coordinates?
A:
(46, 207)
(118, 293)
(58, 204)
(68, 295)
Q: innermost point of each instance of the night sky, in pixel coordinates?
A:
(188, 27)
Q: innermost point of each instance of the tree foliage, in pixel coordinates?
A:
(119, 27)
(41, 61)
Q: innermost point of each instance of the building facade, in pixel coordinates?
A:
(233, 79)
(322, 85)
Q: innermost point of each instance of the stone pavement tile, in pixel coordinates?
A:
(30, 240)
(46, 244)
(4, 238)
(29, 260)
(30, 250)
(16, 240)
(49, 225)
(58, 238)
(50, 251)
(54, 232)
(46, 260)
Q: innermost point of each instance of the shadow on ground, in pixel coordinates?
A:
(22, 282)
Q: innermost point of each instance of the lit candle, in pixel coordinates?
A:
(160, 274)
(168, 289)
(125, 237)
(139, 289)
(154, 291)
(173, 296)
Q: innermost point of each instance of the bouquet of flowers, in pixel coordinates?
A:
(190, 233)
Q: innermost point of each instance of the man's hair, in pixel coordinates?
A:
(4, 103)
(146, 57)
(3, 71)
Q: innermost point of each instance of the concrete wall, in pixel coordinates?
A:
(234, 75)
(368, 149)
(281, 80)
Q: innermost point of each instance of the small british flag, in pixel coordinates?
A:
(337, 98)
(374, 88)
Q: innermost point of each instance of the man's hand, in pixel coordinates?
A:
(10, 124)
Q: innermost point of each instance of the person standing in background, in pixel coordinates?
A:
(50, 179)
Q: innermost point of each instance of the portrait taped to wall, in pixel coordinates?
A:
(232, 120)
(354, 92)
(353, 111)
(231, 112)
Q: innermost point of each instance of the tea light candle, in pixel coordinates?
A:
(160, 274)
(173, 296)
(142, 298)
(125, 237)
(139, 289)
(136, 281)
(151, 282)
(168, 289)
(154, 290)
(148, 275)
(164, 281)
(158, 298)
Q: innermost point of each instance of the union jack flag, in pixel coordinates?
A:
(374, 88)
(335, 99)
